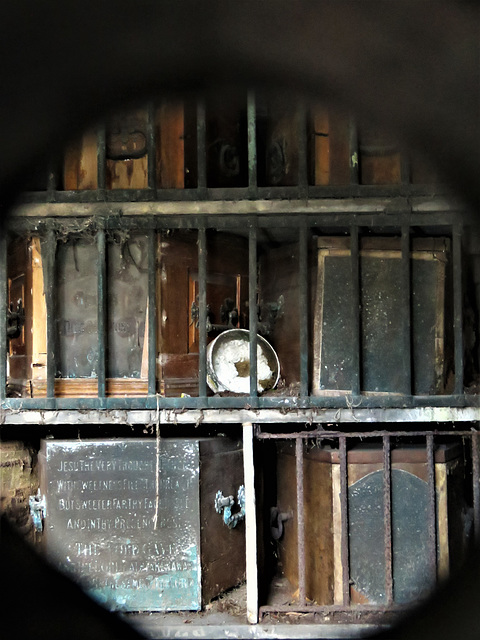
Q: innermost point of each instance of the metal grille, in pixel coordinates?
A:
(345, 609)
(298, 227)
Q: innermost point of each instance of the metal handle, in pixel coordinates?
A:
(225, 504)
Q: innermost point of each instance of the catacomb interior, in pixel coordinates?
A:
(246, 332)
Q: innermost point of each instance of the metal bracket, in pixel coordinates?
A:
(225, 504)
(277, 519)
(37, 510)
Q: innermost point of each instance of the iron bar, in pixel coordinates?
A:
(344, 520)
(355, 310)
(299, 476)
(303, 306)
(354, 158)
(252, 309)
(201, 150)
(152, 313)
(302, 151)
(101, 312)
(151, 147)
(322, 433)
(3, 312)
(101, 163)
(202, 312)
(49, 274)
(407, 311)
(458, 307)
(252, 144)
(387, 518)
(431, 509)
(475, 444)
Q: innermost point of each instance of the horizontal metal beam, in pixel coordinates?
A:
(391, 205)
(89, 415)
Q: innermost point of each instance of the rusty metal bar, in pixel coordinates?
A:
(252, 144)
(387, 518)
(302, 151)
(431, 509)
(151, 147)
(201, 149)
(355, 310)
(152, 312)
(344, 519)
(475, 444)
(3, 312)
(458, 307)
(354, 157)
(407, 311)
(101, 312)
(101, 162)
(357, 434)
(299, 475)
(202, 312)
(303, 306)
(252, 308)
(49, 250)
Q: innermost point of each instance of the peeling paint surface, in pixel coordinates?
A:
(123, 519)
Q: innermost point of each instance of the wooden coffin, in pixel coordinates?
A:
(134, 520)
(382, 317)
(413, 576)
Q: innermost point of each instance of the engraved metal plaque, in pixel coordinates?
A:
(122, 517)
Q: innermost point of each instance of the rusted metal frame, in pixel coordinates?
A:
(356, 309)
(431, 508)
(354, 157)
(332, 608)
(344, 546)
(252, 309)
(3, 313)
(101, 314)
(321, 433)
(101, 163)
(151, 147)
(406, 310)
(201, 190)
(300, 515)
(152, 312)
(387, 518)
(302, 136)
(303, 305)
(252, 144)
(202, 313)
(458, 306)
(49, 250)
(475, 452)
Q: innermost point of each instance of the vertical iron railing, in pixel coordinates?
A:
(431, 509)
(202, 313)
(3, 312)
(102, 315)
(49, 251)
(407, 311)
(355, 311)
(299, 477)
(151, 148)
(303, 307)
(252, 308)
(252, 144)
(152, 312)
(458, 307)
(201, 150)
(344, 546)
(387, 518)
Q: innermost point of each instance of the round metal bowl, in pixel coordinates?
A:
(228, 363)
